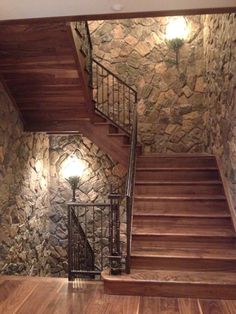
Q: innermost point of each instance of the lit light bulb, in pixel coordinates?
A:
(176, 28)
(73, 167)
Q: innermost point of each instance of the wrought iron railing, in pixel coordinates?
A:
(113, 98)
(117, 102)
(88, 234)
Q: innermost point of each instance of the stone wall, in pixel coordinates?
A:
(220, 58)
(100, 172)
(172, 114)
(34, 193)
(23, 195)
(176, 114)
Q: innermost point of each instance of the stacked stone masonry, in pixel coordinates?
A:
(184, 108)
(220, 97)
(172, 113)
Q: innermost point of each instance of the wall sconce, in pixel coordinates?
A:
(176, 33)
(72, 171)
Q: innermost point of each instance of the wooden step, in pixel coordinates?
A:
(199, 259)
(176, 174)
(163, 283)
(180, 204)
(176, 161)
(204, 230)
(182, 241)
(109, 126)
(179, 188)
(181, 222)
(172, 212)
(122, 137)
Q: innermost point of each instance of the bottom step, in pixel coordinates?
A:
(206, 285)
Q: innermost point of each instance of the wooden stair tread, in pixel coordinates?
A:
(178, 155)
(180, 197)
(178, 231)
(213, 182)
(182, 213)
(162, 169)
(202, 253)
(175, 277)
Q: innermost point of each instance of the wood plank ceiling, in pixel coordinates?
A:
(38, 65)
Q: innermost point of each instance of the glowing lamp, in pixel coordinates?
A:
(177, 28)
(176, 33)
(72, 171)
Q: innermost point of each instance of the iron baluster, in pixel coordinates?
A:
(126, 119)
(115, 254)
(84, 258)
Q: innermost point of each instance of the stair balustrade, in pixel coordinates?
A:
(115, 101)
(113, 98)
(88, 233)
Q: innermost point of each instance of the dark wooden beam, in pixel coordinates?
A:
(122, 15)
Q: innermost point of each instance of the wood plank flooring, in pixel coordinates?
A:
(33, 295)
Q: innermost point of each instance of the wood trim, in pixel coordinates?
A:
(80, 67)
(12, 99)
(227, 192)
(113, 16)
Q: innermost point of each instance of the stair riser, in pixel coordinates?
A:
(172, 162)
(172, 263)
(163, 242)
(177, 290)
(190, 205)
(121, 138)
(172, 190)
(187, 222)
(172, 175)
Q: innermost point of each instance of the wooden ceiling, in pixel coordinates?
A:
(38, 65)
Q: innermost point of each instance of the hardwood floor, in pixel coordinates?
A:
(32, 295)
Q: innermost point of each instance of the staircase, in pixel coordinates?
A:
(46, 69)
(180, 238)
(183, 240)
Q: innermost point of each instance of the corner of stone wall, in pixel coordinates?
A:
(23, 195)
(220, 63)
